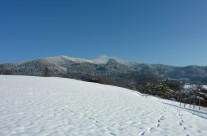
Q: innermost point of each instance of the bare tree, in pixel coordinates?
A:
(47, 72)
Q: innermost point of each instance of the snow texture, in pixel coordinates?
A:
(187, 88)
(204, 86)
(60, 59)
(40, 106)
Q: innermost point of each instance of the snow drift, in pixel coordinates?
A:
(64, 107)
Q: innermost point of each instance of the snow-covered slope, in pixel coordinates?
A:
(62, 59)
(38, 106)
(187, 88)
(107, 59)
(204, 86)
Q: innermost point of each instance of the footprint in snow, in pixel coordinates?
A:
(142, 133)
(150, 129)
(180, 123)
(113, 134)
(160, 119)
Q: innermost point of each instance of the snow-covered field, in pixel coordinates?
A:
(205, 86)
(38, 106)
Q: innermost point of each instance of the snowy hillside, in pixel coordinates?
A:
(64, 107)
(76, 68)
(187, 88)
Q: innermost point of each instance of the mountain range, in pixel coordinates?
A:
(112, 70)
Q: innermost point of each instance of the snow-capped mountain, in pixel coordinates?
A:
(64, 107)
(111, 68)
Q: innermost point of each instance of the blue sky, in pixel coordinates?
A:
(152, 31)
